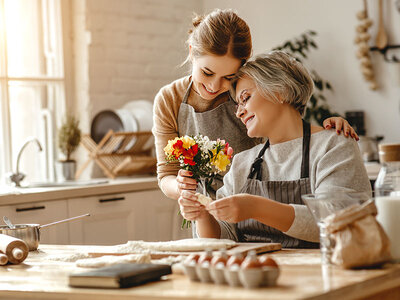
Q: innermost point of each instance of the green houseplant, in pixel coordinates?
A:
(68, 139)
(317, 109)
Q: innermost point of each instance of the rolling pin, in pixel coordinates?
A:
(15, 249)
(3, 259)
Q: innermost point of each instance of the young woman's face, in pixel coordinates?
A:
(257, 112)
(211, 74)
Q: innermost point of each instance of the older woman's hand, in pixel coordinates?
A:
(340, 125)
(231, 209)
(185, 182)
(190, 208)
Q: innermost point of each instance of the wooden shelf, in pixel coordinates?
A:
(120, 153)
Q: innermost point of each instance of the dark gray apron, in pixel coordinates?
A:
(288, 192)
(218, 123)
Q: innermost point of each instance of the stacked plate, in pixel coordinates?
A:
(134, 116)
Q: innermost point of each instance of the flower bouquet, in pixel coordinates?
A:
(204, 158)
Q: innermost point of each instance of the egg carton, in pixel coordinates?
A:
(234, 276)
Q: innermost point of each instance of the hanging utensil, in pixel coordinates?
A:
(8, 222)
(381, 37)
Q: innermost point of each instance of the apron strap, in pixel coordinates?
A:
(185, 98)
(256, 166)
(305, 162)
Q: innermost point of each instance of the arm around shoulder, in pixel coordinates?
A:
(341, 168)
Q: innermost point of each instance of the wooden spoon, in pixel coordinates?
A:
(381, 37)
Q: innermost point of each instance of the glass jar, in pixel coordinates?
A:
(387, 194)
(388, 180)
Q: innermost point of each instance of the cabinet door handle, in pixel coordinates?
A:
(111, 199)
(30, 208)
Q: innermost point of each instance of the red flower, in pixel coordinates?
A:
(189, 154)
(189, 162)
(178, 149)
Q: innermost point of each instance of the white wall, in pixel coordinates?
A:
(274, 21)
(125, 50)
(136, 48)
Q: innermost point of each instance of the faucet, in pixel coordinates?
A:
(18, 177)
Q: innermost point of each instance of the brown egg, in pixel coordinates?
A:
(267, 261)
(251, 261)
(220, 258)
(192, 258)
(206, 256)
(235, 259)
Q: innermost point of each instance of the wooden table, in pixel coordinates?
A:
(302, 277)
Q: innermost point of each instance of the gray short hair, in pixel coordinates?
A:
(278, 73)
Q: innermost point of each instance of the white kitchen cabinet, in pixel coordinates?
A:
(115, 219)
(42, 213)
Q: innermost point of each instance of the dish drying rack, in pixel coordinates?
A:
(119, 153)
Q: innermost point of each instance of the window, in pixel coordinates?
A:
(32, 84)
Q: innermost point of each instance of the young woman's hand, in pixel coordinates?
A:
(340, 125)
(190, 208)
(185, 182)
(231, 209)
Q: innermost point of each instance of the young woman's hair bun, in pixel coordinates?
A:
(218, 33)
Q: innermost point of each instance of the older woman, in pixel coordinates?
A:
(261, 196)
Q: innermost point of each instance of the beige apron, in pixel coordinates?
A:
(288, 192)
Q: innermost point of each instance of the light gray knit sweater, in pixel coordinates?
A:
(335, 165)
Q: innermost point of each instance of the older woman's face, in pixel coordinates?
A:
(257, 112)
(211, 74)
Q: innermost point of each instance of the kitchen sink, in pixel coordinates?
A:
(70, 183)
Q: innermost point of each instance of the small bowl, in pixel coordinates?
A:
(232, 276)
(251, 278)
(270, 276)
(190, 271)
(29, 233)
(217, 275)
(203, 272)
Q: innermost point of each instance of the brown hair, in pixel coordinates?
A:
(220, 32)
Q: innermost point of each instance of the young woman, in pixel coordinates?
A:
(218, 45)
(261, 196)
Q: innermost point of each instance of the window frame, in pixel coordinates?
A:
(55, 12)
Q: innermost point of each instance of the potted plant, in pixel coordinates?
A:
(68, 139)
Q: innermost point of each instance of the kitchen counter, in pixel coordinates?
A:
(301, 278)
(13, 195)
